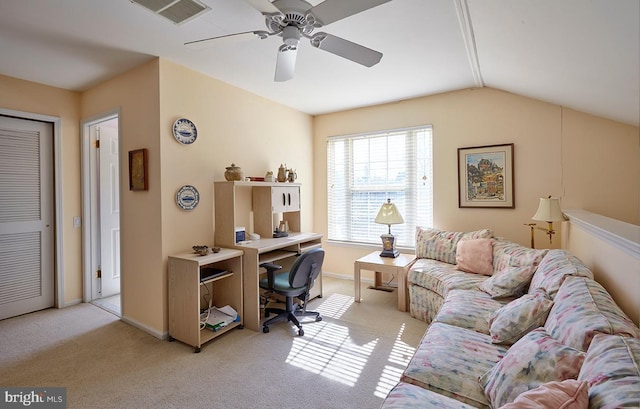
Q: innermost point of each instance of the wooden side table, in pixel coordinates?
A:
(398, 266)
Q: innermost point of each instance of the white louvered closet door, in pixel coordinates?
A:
(26, 216)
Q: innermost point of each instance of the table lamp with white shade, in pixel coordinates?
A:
(389, 214)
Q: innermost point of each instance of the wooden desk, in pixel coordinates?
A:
(398, 266)
(281, 251)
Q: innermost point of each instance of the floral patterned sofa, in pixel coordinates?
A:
(513, 327)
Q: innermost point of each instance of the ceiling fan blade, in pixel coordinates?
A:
(286, 63)
(208, 42)
(263, 6)
(346, 49)
(333, 10)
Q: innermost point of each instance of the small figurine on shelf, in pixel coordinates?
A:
(292, 175)
(269, 177)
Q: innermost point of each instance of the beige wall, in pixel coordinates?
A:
(136, 94)
(233, 126)
(39, 99)
(558, 152)
(601, 163)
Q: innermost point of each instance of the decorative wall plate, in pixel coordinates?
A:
(187, 197)
(185, 131)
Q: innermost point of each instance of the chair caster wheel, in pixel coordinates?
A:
(301, 332)
(196, 350)
(318, 318)
(266, 314)
(265, 329)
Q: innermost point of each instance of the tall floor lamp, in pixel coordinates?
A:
(548, 211)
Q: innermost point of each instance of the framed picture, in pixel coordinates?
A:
(485, 176)
(138, 179)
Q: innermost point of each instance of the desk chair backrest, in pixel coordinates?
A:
(306, 269)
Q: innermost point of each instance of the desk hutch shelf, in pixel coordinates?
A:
(259, 206)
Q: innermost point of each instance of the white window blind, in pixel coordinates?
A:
(367, 169)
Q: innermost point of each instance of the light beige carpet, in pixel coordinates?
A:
(351, 359)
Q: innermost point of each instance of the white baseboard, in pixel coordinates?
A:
(70, 303)
(152, 331)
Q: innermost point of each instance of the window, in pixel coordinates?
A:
(366, 170)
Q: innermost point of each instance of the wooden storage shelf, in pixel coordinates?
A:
(186, 294)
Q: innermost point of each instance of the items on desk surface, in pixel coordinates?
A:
(240, 234)
(282, 230)
(204, 250)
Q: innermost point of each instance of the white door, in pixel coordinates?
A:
(26, 216)
(109, 204)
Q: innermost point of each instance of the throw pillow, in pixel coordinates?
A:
(569, 394)
(475, 256)
(511, 322)
(535, 359)
(509, 282)
(508, 253)
(441, 245)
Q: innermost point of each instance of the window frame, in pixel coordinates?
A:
(340, 160)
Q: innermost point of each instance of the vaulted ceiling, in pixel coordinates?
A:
(582, 54)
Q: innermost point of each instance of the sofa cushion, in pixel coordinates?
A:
(441, 277)
(567, 394)
(441, 245)
(535, 359)
(475, 256)
(516, 319)
(405, 395)
(509, 254)
(469, 309)
(554, 268)
(583, 308)
(424, 304)
(509, 282)
(444, 363)
(611, 367)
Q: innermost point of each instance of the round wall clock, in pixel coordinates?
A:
(184, 131)
(187, 197)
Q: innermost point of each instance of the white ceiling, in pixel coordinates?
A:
(582, 54)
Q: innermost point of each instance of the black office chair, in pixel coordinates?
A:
(295, 283)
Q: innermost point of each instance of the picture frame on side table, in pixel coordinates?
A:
(138, 173)
(485, 176)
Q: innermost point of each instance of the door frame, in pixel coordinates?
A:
(88, 191)
(58, 264)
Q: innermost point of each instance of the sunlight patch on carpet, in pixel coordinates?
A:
(327, 349)
(399, 358)
(335, 305)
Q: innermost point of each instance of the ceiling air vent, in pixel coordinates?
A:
(178, 11)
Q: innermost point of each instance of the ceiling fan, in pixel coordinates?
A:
(293, 19)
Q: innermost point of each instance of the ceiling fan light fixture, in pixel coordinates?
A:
(291, 35)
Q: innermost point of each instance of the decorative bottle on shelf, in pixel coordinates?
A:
(282, 173)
